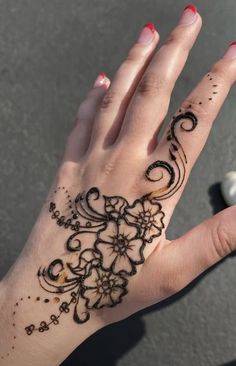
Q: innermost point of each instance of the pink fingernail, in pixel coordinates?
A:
(231, 51)
(101, 79)
(147, 34)
(189, 15)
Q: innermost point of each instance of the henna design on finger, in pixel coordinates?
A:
(175, 168)
(214, 86)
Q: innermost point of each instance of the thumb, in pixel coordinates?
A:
(203, 246)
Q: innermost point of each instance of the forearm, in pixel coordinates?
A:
(25, 303)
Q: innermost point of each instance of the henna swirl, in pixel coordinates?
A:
(176, 167)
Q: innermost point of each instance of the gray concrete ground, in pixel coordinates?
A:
(50, 53)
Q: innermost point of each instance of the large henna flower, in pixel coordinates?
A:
(148, 216)
(103, 288)
(120, 247)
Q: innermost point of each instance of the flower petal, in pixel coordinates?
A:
(122, 263)
(92, 296)
(116, 294)
(138, 207)
(127, 230)
(118, 280)
(158, 220)
(108, 254)
(110, 231)
(104, 301)
(151, 233)
(131, 219)
(90, 281)
(133, 252)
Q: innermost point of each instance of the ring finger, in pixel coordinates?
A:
(188, 131)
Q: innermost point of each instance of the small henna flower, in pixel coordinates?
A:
(148, 216)
(103, 288)
(121, 247)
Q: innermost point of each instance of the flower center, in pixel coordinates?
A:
(105, 285)
(120, 244)
(145, 217)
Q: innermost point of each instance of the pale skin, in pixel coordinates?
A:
(114, 140)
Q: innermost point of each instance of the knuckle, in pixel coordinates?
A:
(175, 40)
(133, 56)
(171, 39)
(108, 100)
(222, 241)
(221, 72)
(152, 84)
(66, 171)
(195, 105)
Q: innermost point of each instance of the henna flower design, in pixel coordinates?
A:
(148, 216)
(121, 247)
(107, 236)
(103, 288)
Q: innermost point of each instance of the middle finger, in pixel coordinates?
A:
(151, 99)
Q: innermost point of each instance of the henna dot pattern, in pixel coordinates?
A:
(17, 307)
(214, 87)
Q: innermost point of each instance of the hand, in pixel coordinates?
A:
(101, 234)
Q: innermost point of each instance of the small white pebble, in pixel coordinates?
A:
(228, 188)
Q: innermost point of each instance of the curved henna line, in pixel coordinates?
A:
(60, 289)
(187, 115)
(89, 193)
(76, 269)
(51, 267)
(180, 182)
(79, 201)
(89, 217)
(76, 317)
(164, 165)
(68, 246)
(172, 191)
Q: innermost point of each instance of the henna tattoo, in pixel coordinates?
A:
(176, 167)
(116, 233)
(107, 238)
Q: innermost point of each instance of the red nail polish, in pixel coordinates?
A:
(147, 34)
(191, 7)
(100, 80)
(150, 26)
(102, 75)
(230, 53)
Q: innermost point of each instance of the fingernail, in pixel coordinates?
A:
(100, 80)
(147, 34)
(189, 15)
(231, 51)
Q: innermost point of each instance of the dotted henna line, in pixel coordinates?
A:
(16, 306)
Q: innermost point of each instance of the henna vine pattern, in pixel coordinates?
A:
(108, 236)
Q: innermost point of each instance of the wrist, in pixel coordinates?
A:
(24, 306)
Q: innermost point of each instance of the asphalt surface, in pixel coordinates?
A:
(50, 53)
